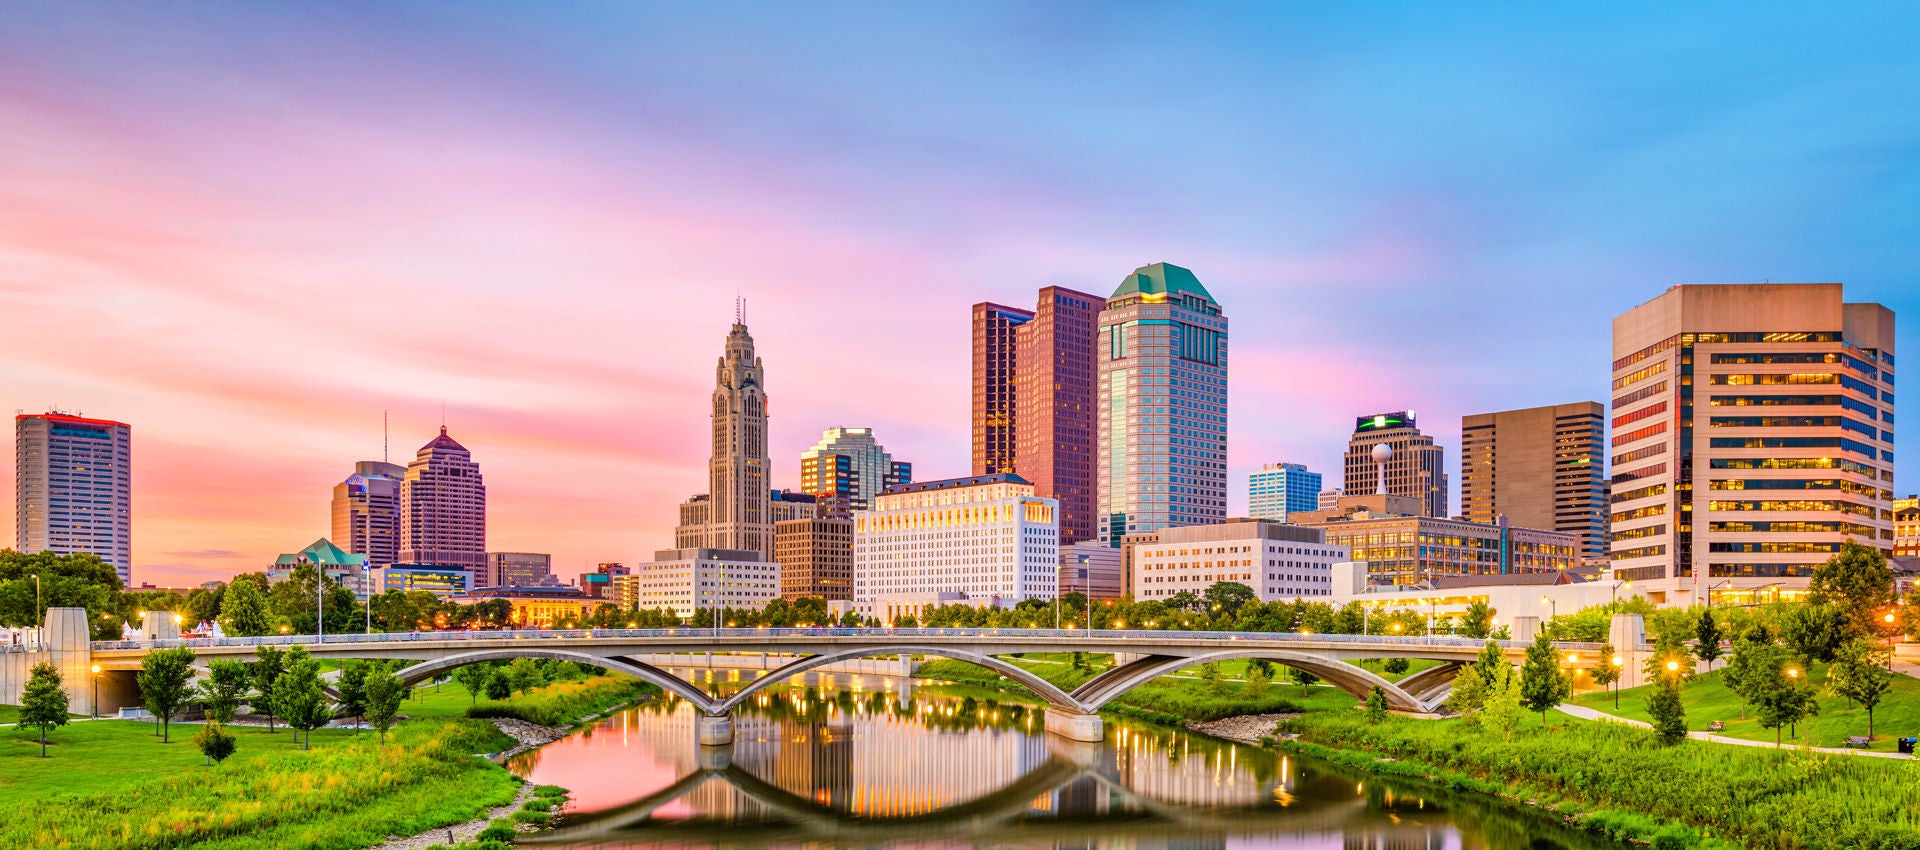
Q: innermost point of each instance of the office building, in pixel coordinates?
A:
(986, 536)
(519, 569)
(443, 509)
(994, 354)
(735, 513)
(1541, 467)
(599, 583)
(850, 467)
(73, 488)
(1092, 569)
(1329, 499)
(1402, 547)
(815, 557)
(355, 572)
(1276, 560)
(686, 580)
(440, 581)
(1162, 405)
(1414, 465)
(1906, 527)
(1752, 437)
(366, 511)
(1277, 489)
(1129, 568)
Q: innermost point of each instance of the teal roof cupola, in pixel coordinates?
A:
(1161, 279)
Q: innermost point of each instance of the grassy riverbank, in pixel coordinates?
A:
(1173, 699)
(557, 704)
(1617, 780)
(1707, 699)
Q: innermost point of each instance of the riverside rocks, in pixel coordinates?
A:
(528, 736)
(1246, 728)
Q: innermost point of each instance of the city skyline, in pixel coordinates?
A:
(259, 287)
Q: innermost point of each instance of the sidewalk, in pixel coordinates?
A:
(1585, 713)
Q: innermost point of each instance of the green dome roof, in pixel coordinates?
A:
(1160, 279)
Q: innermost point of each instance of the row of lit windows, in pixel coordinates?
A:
(1790, 505)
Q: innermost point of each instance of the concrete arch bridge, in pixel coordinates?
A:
(1142, 656)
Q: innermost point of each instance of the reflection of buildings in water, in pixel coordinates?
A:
(1408, 836)
(1172, 770)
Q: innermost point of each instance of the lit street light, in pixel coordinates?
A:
(1617, 661)
(93, 709)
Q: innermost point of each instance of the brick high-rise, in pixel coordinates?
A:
(993, 371)
(1541, 467)
(443, 510)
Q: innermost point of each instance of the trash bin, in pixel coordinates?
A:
(1906, 745)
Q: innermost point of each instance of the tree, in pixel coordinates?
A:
(214, 742)
(299, 696)
(243, 613)
(166, 680)
(1469, 692)
(223, 689)
(43, 703)
(1755, 663)
(1491, 664)
(1856, 581)
(1505, 707)
(1376, 705)
(1258, 679)
(1781, 697)
(1542, 685)
(1477, 621)
(353, 689)
(1668, 711)
(474, 677)
(1605, 673)
(270, 662)
(524, 675)
(1302, 678)
(498, 685)
(1815, 632)
(384, 693)
(1228, 597)
(1859, 673)
(1708, 649)
(1396, 666)
(1670, 657)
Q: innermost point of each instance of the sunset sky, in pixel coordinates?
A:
(249, 228)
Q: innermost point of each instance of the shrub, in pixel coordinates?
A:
(499, 830)
(549, 791)
(540, 818)
(537, 804)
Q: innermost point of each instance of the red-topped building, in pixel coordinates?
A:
(73, 489)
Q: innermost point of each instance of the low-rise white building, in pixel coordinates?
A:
(1279, 561)
(1542, 595)
(986, 536)
(688, 579)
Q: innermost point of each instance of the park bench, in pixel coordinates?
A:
(1859, 741)
(1715, 726)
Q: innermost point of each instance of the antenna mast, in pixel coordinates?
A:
(383, 438)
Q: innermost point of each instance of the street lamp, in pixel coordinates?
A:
(93, 708)
(40, 614)
(1553, 608)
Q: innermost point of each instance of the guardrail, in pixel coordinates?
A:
(1140, 636)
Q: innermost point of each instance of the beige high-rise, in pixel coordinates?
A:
(1752, 436)
(736, 512)
(1541, 467)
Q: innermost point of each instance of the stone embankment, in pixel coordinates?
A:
(527, 736)
(1246, 728)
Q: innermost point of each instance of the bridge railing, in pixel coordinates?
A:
(538, 635)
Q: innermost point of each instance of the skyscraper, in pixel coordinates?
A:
(736, 511)
(366, 511)
(1162, 405)
(1752, 437)
(993, 371)
(849, 464)
(1541, 467)
(443, 510)
(73, 487)
(1416, 467)
(1033, 399)
(1280, 488)
(1053, 403)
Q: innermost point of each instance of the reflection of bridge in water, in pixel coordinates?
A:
(801, 768)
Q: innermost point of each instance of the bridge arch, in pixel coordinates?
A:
(639, 670)
(1042, 688)
(1354, 680)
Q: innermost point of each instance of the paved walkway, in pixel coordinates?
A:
(1585, 713)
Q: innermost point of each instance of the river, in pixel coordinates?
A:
(870, 761)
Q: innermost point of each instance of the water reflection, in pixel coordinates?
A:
(873, 762)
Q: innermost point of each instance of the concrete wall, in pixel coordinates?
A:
(64, 643)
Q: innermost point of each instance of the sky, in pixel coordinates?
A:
(253, 229)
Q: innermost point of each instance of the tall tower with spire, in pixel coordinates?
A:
(443, 509)
(737, 513)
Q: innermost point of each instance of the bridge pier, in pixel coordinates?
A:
(713, 730)
(1075, 725)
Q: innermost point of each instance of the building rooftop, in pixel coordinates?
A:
(443, 442)
(75, 420)
(1160, 279)
(541, 592)
(322, 552)
(951, 483)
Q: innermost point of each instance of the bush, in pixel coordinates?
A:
(499, 830)
(537, 804)
(538, 818)
(549, 791)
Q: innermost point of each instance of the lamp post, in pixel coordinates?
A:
(93, 708)
(1553, 608)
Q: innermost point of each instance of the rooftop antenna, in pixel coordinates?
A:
(739, 309)
(384, 438)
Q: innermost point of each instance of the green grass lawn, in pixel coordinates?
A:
(1708, 699)
(104, 755)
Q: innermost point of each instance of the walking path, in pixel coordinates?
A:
(1585, 713)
